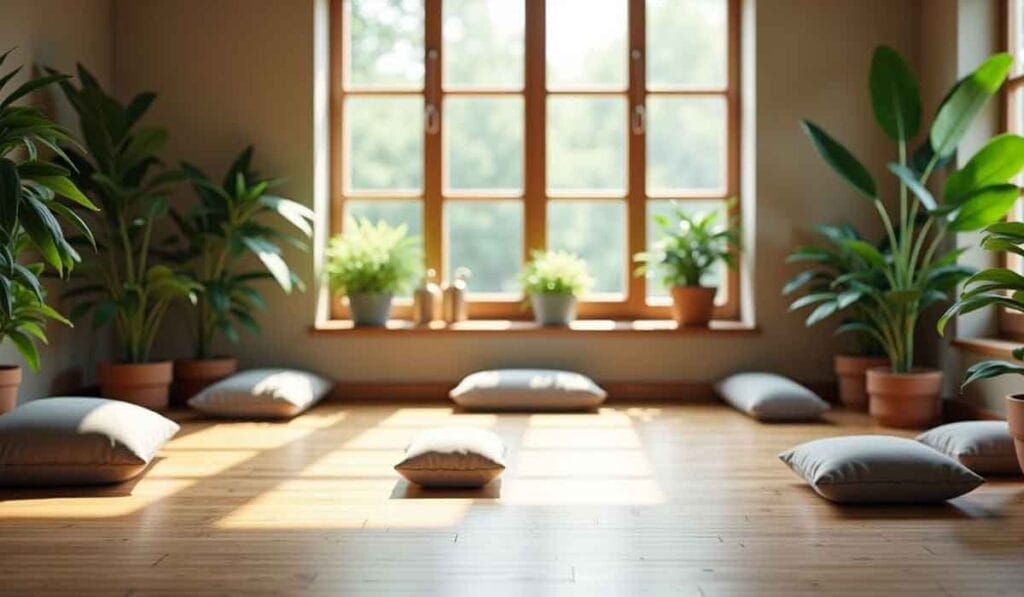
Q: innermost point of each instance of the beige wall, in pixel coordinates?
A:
(58, 33)
(231, 72)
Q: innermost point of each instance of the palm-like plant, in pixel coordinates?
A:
(219, 231)
(689, 246)
(916, 272)
(33, 192)
(123, 173)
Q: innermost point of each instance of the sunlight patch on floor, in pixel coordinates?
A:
(241, 436)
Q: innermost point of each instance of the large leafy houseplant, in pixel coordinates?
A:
(124, 284)
(916, 269)
(35, 197)
(554, 281)
(219, 232)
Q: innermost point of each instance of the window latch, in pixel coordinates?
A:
(638, 121)
(431, 120)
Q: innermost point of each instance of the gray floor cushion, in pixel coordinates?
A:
(864, 469)
(79, 441)
(527, 389)
(262, 394)
(771, 397)
(453, 457)
(985, 447)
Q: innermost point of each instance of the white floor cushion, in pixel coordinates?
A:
(771, 397)
(985, 447)
(527, 389)
(262, 394)
(453, 457)
(862, 469)
(79, 441)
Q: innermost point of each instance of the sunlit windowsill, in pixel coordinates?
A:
(993, 347)
(500, 326)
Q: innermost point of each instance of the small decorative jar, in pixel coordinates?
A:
(455, 296)
(426, 301)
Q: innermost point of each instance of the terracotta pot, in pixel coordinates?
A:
(10, 379)
(851, 372)
(145, 384)
(192, 375)
(692, 305)
(1015, 421)
(907, 400)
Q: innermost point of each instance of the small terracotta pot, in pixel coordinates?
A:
(145, 384)
(906, 400)
(851, 372)
(1015, 421)
(692, 305)
(192, 375)
(10, 379)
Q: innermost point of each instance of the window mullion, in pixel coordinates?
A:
(535, 177)
(636, 194)
(433, 209)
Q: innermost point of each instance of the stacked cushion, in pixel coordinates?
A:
(453, 457)
(262, 394)
(770, 397)
(864, 469)
(985, 447)
(79, 441)
(527, 389)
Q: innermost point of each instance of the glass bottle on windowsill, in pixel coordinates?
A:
(426, 301)
(454, 294)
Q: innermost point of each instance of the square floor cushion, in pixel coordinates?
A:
(985, 447)
(771, 397)
(262, 394)
(867, 469)
(79, 441)
(527, 389)
(453, 457)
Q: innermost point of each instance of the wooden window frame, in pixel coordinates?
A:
(1011, 323)
(634, 304)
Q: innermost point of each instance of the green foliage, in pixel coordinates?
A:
(226, 225)
(907, 272)
(123, 174)
(555, 272)
(689, 246)
(998, 287)
(369, 257)
(36, 195)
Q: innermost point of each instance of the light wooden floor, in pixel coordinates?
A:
(673, 500)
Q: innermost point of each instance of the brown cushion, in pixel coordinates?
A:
(79, 441)
(453, 457)
(985, 447)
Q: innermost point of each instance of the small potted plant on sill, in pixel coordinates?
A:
(122, 285)
(33, 192)
(224, 227)
(917, 274)
(554, 281)
(1002, 288)
(688, 247)
(827, 285)
(370, 263)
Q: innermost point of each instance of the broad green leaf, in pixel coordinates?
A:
(907, 176)
(800, 280)
(811, 299)
(841, 160)
(63, 186)
(1014, 229)
(984, 207)
(996, 163)
(297, 214)
(28, 87)
(988, 369)
(271, 260)
(10, 197)
(894, 95)
(959, 111)
(26, 347)
(867, 251)
(823, 311)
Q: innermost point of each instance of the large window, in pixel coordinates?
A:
(496, 127)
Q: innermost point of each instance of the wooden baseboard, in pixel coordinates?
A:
(958, 409)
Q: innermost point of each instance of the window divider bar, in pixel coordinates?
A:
(535, 132)
(731, 308)
(433, 208)
(636, 205)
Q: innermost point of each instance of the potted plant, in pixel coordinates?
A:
(33, 192)
(226, 225)
(553, 281)
(370, 263)
(825, 283)
(1002, 288)
(917, 273)
(688, 247)
(123, 285)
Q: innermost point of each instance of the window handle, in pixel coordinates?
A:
(638, 121)
(431, 119)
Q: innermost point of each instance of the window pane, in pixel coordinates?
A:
(586, 44)
(483, 43)
(586, 144)
(686, 143)
(384, 141)
(385, 43)
(687, 43)
(394, 212)
(596, 232)
(484, 143)
(486, 237)
(656, 289)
